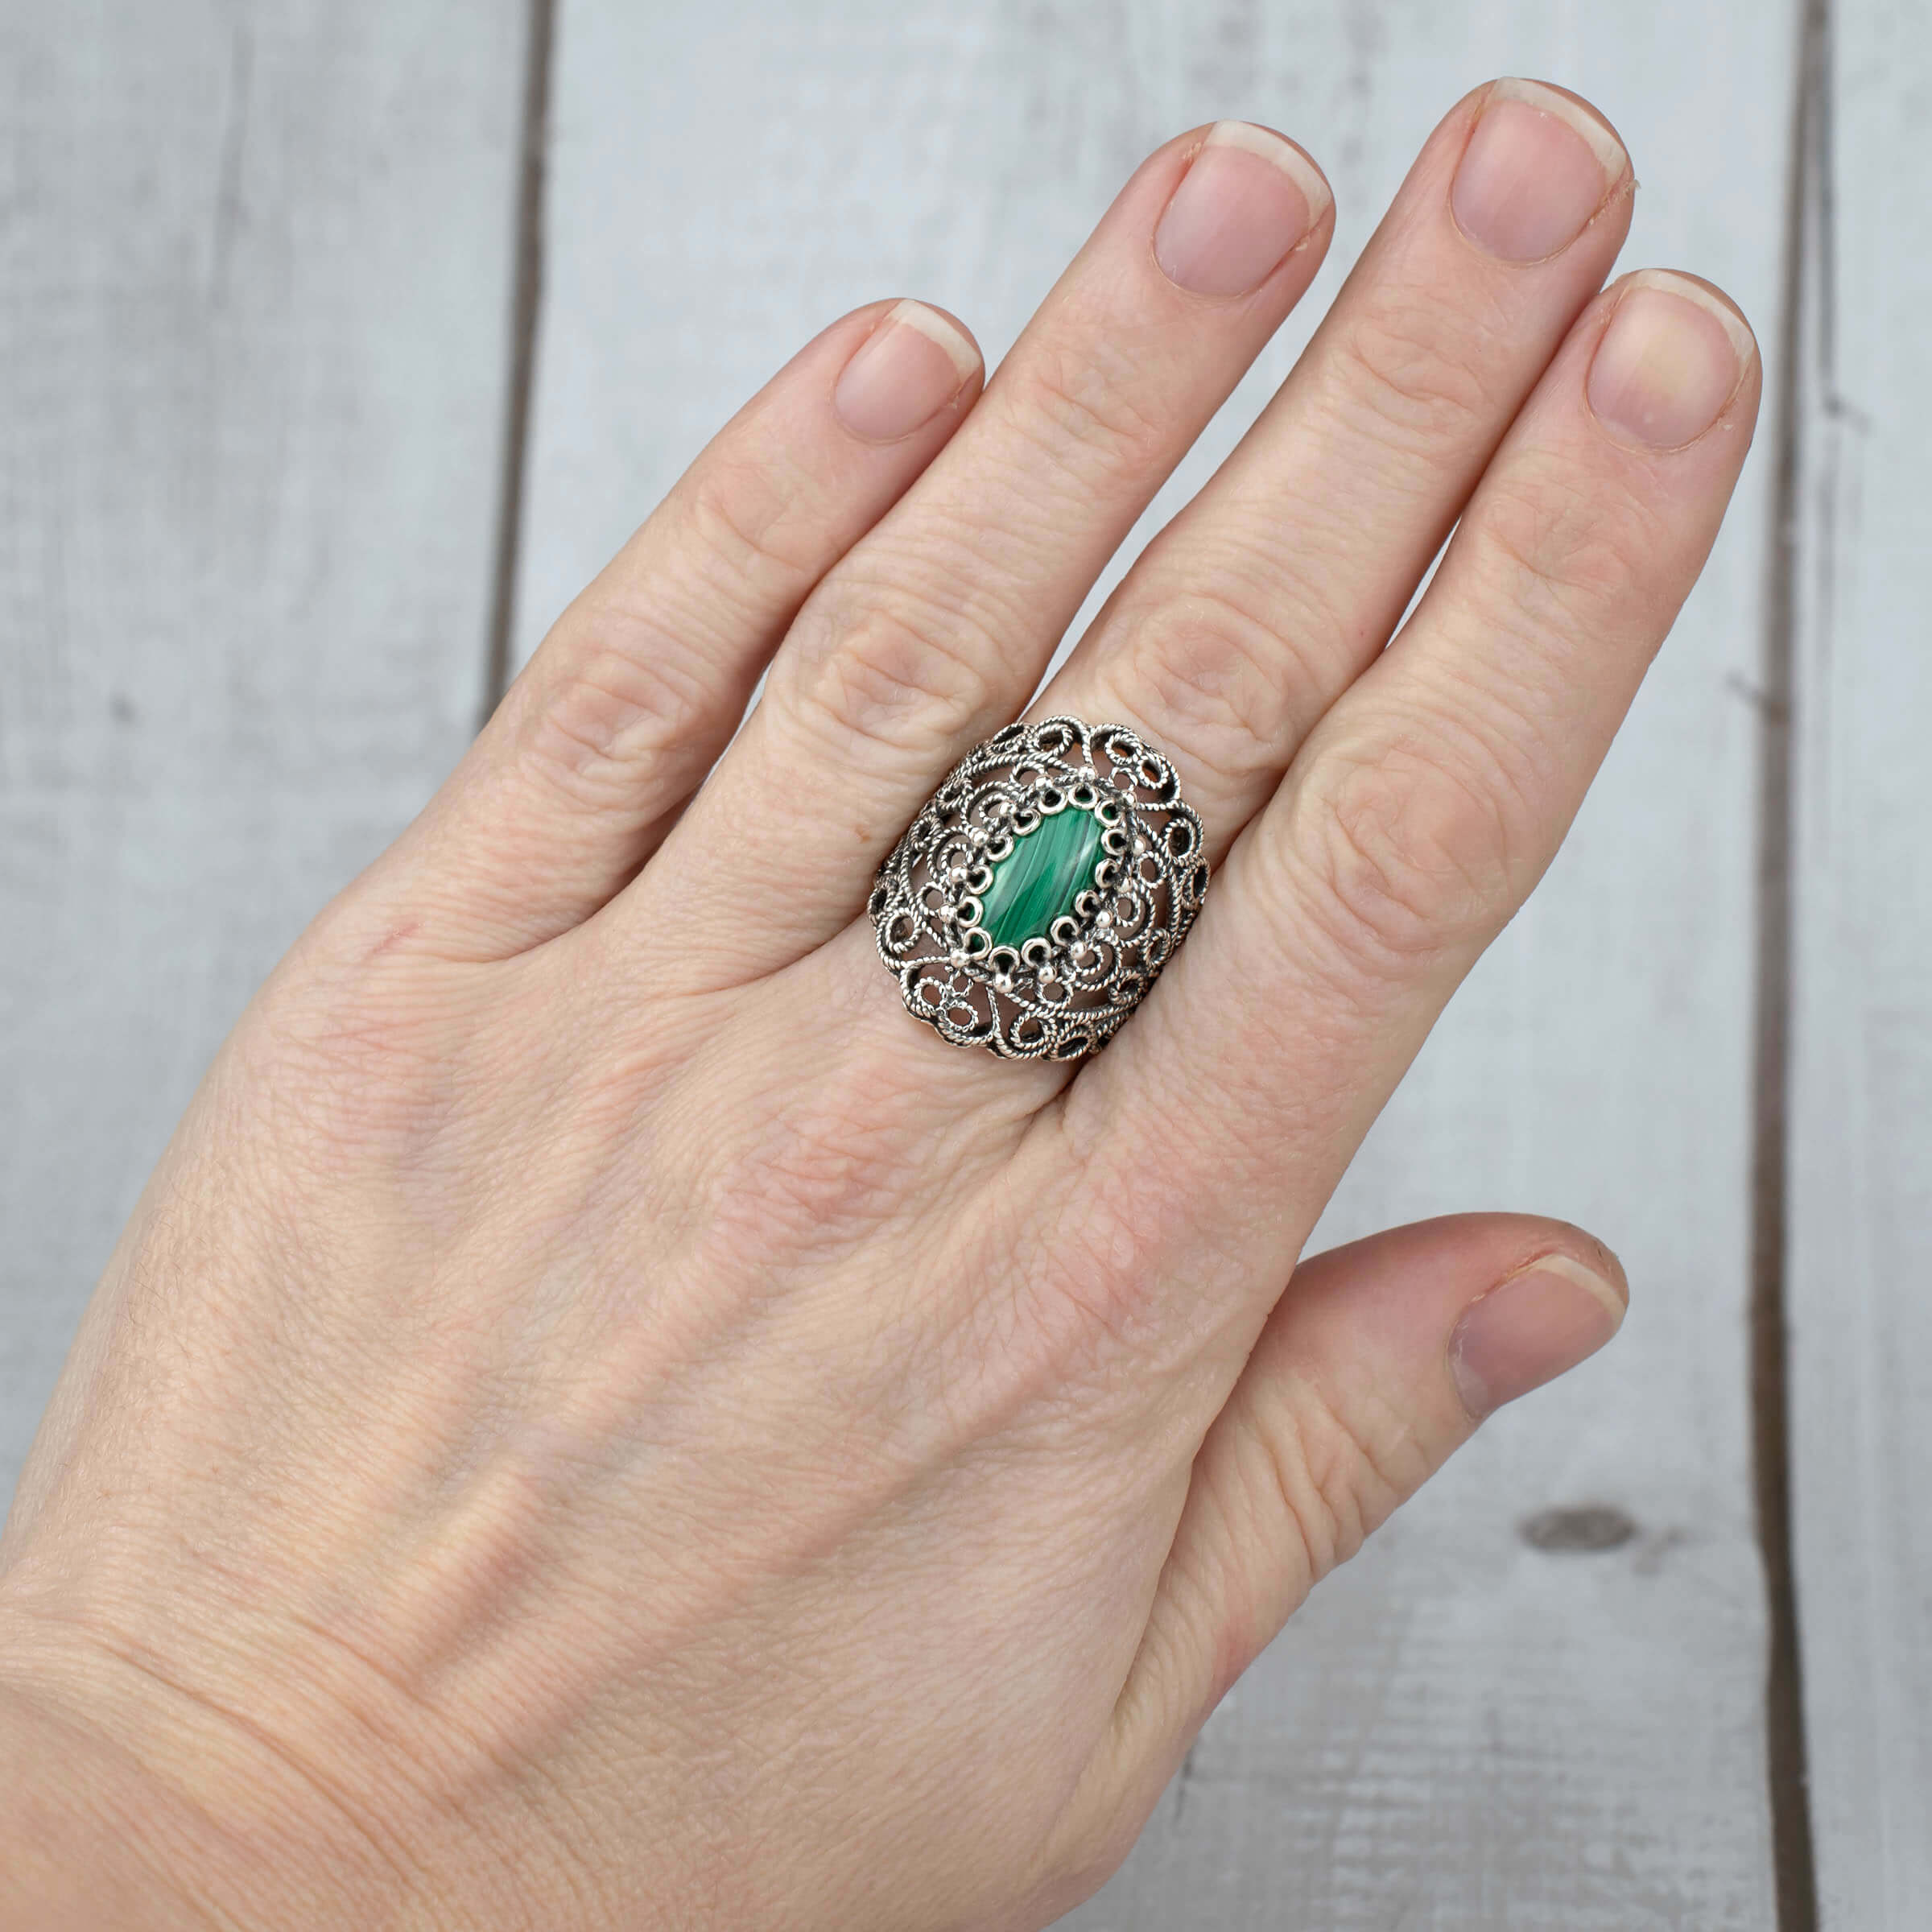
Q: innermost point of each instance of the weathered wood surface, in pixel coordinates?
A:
(255, 263)
(254, 289)
(1462, 1729)
(1859, 1281)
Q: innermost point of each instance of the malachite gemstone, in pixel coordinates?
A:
(1039, 879)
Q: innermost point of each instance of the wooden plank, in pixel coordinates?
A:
(1469, 1727)
(1860, 1119)
(254, 285)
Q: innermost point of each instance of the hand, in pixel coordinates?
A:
(601, 1420)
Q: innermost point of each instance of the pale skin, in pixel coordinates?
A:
(600, 1419)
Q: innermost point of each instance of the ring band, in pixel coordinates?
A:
(1029, 906)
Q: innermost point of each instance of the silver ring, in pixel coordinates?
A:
(1031, 903)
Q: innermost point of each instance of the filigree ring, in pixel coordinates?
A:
(1040, 890)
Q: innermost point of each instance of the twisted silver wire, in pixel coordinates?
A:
(1063, 995)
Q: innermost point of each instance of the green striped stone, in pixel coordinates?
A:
(1040, 878)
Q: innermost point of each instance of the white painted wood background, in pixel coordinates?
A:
(258, 348)
(1861, 1101)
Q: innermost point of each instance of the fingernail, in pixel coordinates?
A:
(1530, 1329)
(1246, 200)
(1669, 362)
(1535, 169)
(911, 365)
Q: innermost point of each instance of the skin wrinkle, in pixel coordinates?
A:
(1497, 712)
(616, 708)
(1399, 873)
(1421, 365)
(1395, 376)
(199, 1855)
(955, 574)
(422, 1126)
(709, 1580)
(1301, 1118)
(1482, 749)
(735, 581)
(739, 520)
(38, 1731)
(869, 663)
(1303, 1125)
(1078, 414)
(1295, 580)
(1538, 549)
(1210, 672)
(975, 1353)
(364, 1821)
(744, 1182)
(1107, 1260)
(840, 1186)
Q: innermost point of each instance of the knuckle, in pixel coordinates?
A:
(1209, 675)
(1079, 411)
(896, 668)
(621, 686)
(626, 695)
(1554, 550)
(1330, 1473)
(752, 530)
(1405, 852)
(1414, 367)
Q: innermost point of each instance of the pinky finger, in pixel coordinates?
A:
(1375, 1366)
(623, 709)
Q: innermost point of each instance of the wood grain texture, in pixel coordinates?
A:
(1860, 1118)
(254, 274)
(1470, 1727)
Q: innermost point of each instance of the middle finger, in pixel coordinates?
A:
(1265, 597)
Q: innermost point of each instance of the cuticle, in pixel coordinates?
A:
(1529, 1267)
(1187, 161)
(1308, 235)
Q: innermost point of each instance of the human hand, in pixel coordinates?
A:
(599, 1419)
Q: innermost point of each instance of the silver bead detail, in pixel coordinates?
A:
(1066, 996)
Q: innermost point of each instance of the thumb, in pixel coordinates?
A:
(1379, 1361)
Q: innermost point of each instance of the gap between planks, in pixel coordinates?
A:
(1805, 332)
(526, 297)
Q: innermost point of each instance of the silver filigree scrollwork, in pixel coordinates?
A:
(1062, 995)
